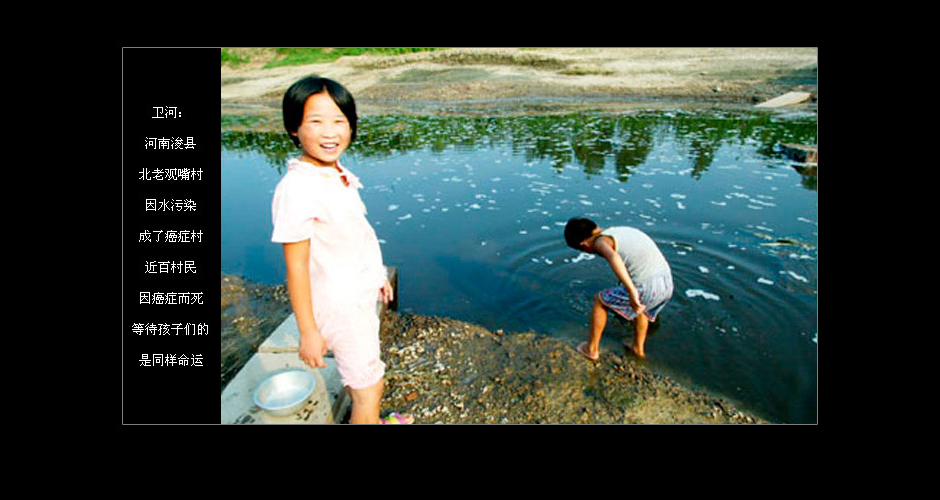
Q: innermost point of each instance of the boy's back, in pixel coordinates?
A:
(639, 252)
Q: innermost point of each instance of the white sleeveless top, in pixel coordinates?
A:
(640, 254)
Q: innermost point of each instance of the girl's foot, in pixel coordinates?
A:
(397, 418)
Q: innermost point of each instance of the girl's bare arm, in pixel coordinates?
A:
(312, 345)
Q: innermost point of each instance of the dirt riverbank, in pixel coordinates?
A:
(527, 81)
(447, 371)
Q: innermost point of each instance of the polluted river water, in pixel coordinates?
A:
(471, 210)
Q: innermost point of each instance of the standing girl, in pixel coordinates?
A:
(334, 265)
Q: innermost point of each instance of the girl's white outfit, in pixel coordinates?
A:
(346, 270)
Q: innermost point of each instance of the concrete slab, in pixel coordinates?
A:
(278, 352)
(788, 99)
(238, 406)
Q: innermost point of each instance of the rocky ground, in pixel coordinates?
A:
(447, 371)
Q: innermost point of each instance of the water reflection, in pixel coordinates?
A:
(591, 141)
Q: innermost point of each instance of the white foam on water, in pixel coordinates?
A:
(701, 293)
(585, 202)
(764, 281)
(703, 269)
(583, 256)
(678, 196)
(798, 277)
(392, 208)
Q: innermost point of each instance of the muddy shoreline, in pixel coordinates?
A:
(453, 372)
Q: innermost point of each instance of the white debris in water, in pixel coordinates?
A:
(798, 277)
(523, 231)
(680, 205)
(392, 208)
(583, 256)
(585, 202)
(701, 293)
(719, 203)
(764, 281)
(405, 217)
(703, 269)
(546, 228)
(678, 196)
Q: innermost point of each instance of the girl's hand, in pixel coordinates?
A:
(312, 349)
(386, 293)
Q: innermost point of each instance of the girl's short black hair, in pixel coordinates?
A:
(577, 230)
(296, 97)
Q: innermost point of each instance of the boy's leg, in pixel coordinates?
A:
(366, 403)
(640, 326)
(598, 322)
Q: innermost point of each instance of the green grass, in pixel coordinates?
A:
(292, 57)
(232, 59)
(273, 58)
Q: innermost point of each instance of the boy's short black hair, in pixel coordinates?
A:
(296, 97)
(577, 230)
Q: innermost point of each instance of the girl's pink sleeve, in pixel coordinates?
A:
(295, 213)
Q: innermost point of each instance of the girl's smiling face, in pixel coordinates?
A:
(324, 131)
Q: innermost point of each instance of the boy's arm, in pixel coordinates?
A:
(620, 270)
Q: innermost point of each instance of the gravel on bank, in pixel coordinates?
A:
(447, 371)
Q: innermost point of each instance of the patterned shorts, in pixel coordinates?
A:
(654, 294)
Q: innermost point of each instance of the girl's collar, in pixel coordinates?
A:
(325, 172)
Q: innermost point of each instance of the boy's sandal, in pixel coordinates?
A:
(582, 350)
(397, 418)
